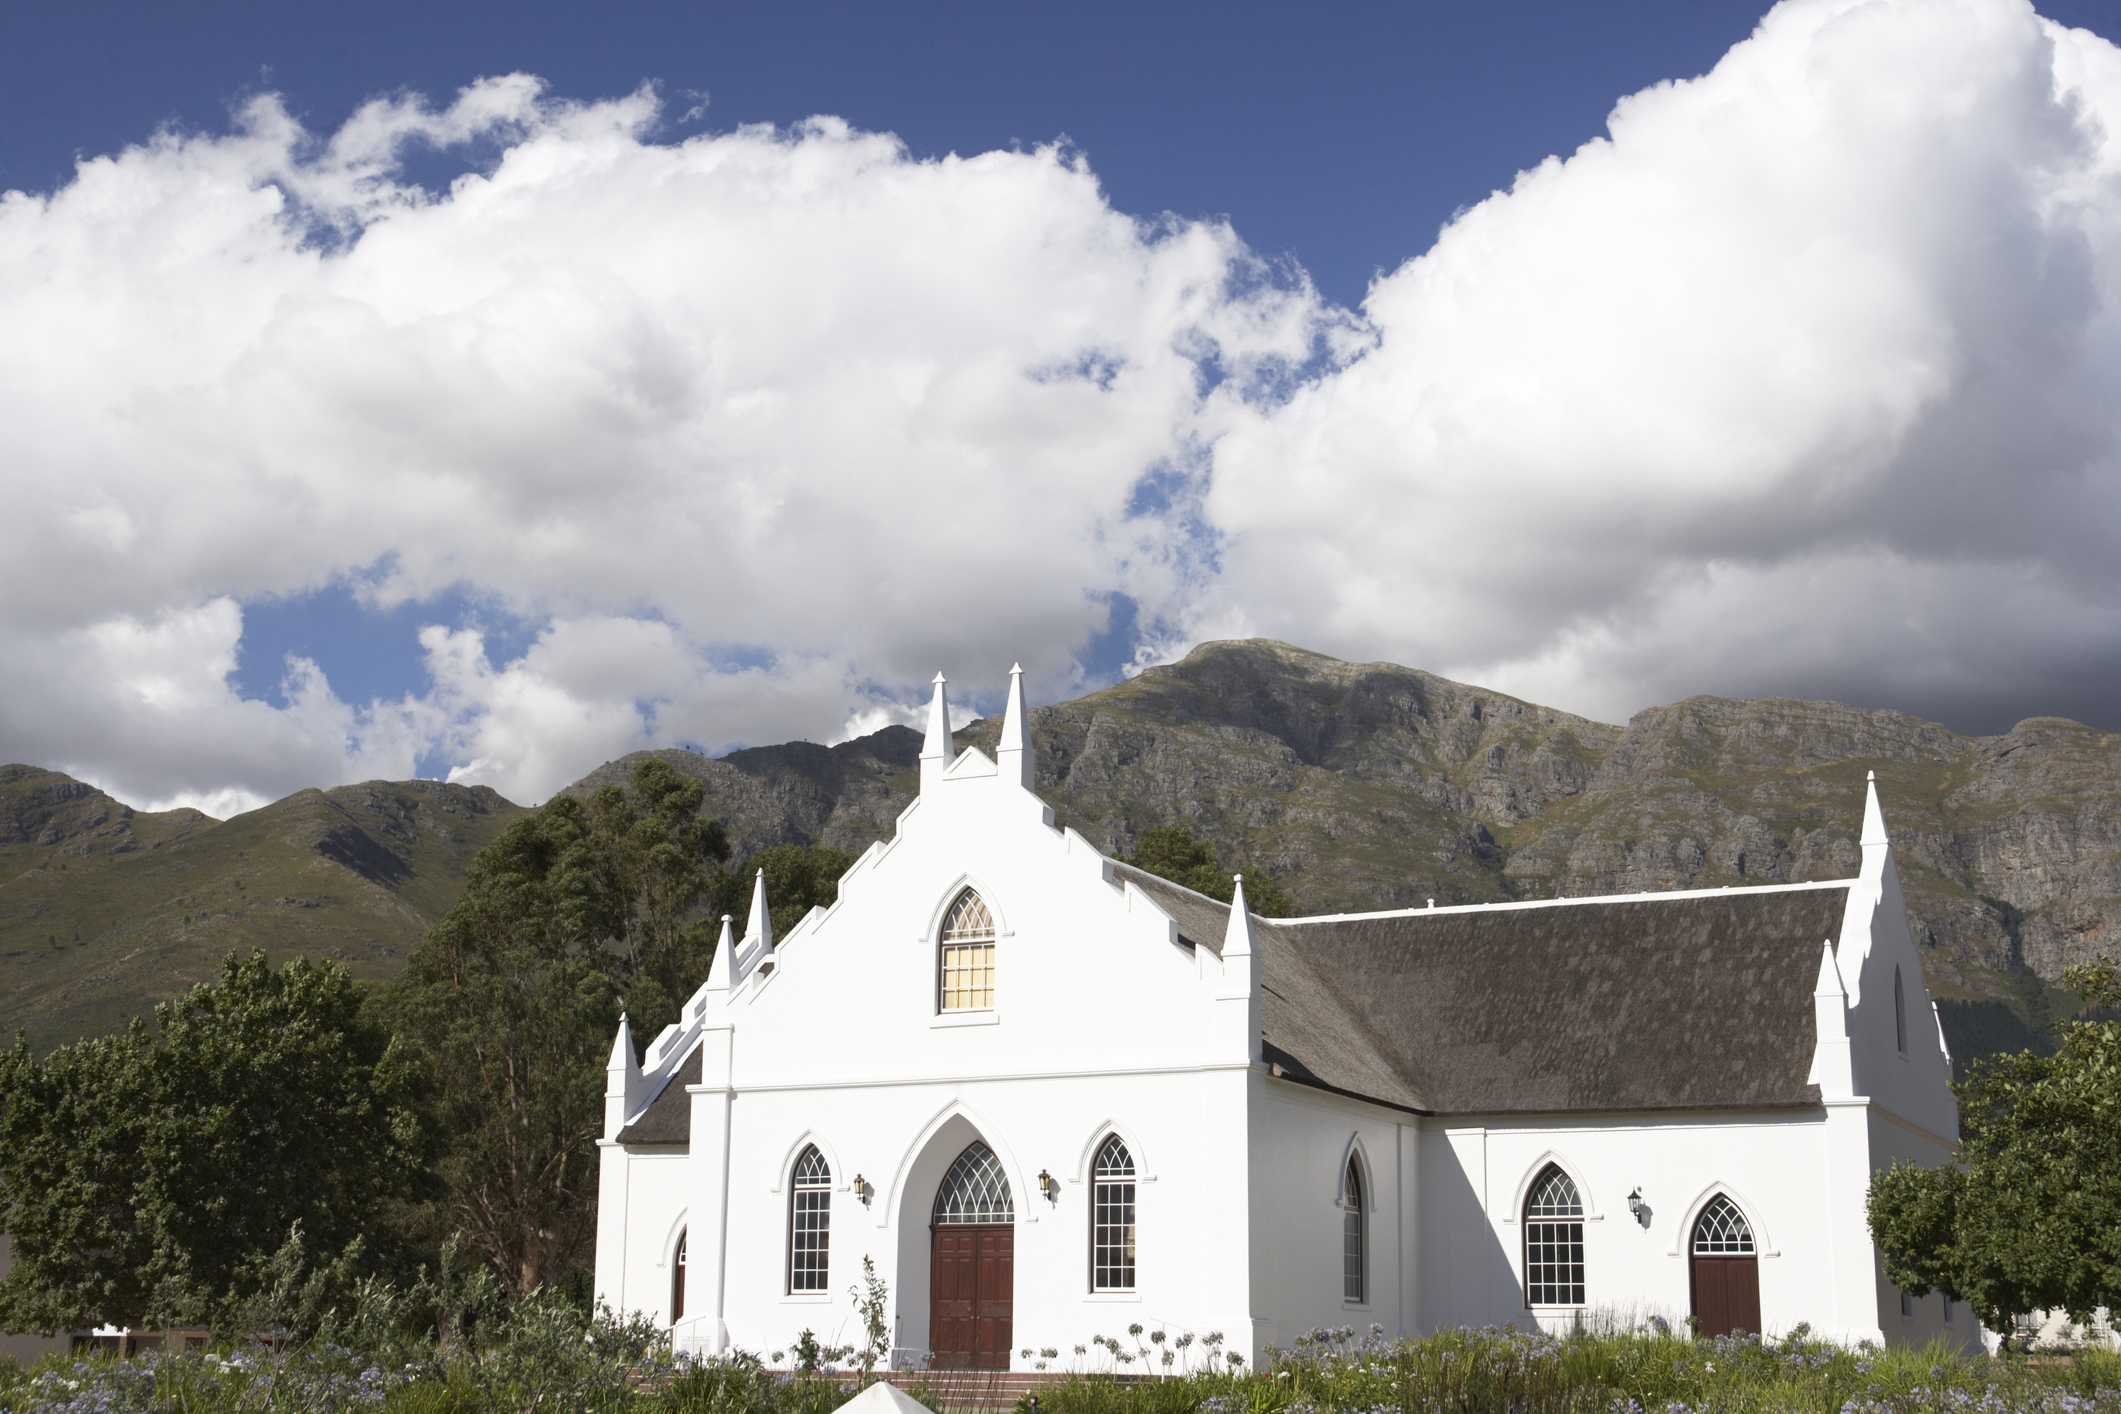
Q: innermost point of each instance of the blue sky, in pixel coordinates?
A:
(1331, 144)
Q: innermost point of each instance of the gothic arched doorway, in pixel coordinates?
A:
(1725, 1270)
(972, 1286)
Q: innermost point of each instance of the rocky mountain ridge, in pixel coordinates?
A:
(1356, 786)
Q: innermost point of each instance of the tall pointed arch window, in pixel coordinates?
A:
(975, 1190)
(677, 1280)
(1112, 1218)
(1553, 1241)
(1899, 1012)
(967, 970)
(810, 1222)
(1354, 1234)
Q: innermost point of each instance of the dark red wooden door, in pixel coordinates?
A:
(1727, 1295)
(972, 1296)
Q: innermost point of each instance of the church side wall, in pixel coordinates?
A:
(1893, 1141)
(636, 1260)
(1298, 1221)
(1475, 1178)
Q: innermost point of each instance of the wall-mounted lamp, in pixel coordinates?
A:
(861, 1189)
(1048, 1186)
(1635, 1202)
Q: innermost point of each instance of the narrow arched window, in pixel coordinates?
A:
(1354, 1235)
(1112, 1218)
(1553, 1241)
(677, 1281)
(1899, 1011)
(967, 982)
(809, 1222)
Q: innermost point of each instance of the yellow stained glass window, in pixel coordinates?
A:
(968, 955)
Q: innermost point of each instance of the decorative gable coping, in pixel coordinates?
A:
(971, 762)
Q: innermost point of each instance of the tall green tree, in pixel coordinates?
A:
(575, 911)
(798, 879)
(151, 1178)
(2029, 1217)
(1175, 853)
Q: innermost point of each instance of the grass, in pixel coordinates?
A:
(557, 1361)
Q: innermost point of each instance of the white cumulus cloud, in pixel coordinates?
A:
(1801, 379)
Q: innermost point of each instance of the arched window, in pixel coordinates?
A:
(677, 1281)
(810, 1222)
(975, 1190)
(1112, 1218)
(967, 982)
(1553, 1241)
(1722, 1231)
(1354, 1235)
(1899, 1012)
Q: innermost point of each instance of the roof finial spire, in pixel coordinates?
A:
(1014, 754)
(1238, 939)
(761, 926)
(935, 751)
(719, 971)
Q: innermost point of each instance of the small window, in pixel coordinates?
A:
(1722, 1231)
(1899, 1012)
(677, 1281)
(1553, 1241)
(1112, 1219)
(1907, 1306)
(1949, 1307)
(968, 955)
(1354, 1238)
(810, 1222)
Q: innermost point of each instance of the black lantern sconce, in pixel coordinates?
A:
(1640, 1209)
(1048, 1187)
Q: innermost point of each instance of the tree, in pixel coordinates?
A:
(1172, 852)
(2029, 1217)
(153, 1179)
(575, 911)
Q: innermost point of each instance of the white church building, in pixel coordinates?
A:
(1051, 1096)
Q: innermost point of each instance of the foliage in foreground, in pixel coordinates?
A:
(2030, 1217)
(545, 1355)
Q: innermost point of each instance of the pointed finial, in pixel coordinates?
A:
(622, 1057)
(761, 927)
(1013, 755)
(1239, 939)
(719, 970)
(1873, 818)
(935, 749)
(1830, 984)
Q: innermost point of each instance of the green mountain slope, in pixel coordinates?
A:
(1355, 785)
(105, 910)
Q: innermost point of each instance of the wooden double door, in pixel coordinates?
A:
(972, 1295)
(1726, 1294)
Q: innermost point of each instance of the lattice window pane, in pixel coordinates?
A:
(1112, 1218)
(1355, 1283)
(968, 977)
(1553, 1242)
(1722, 1231)
(968, 955)
(810, 1223)
(975, 1190)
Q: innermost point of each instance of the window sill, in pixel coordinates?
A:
(966, 1018)
(807, 1298)
(1113, 1296)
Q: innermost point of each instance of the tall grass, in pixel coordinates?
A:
(548, 1357)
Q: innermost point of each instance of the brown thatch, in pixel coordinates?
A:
(668, 1118)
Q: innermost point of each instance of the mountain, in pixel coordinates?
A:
(1356, 786)
(1370, 785)
(105, 910)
